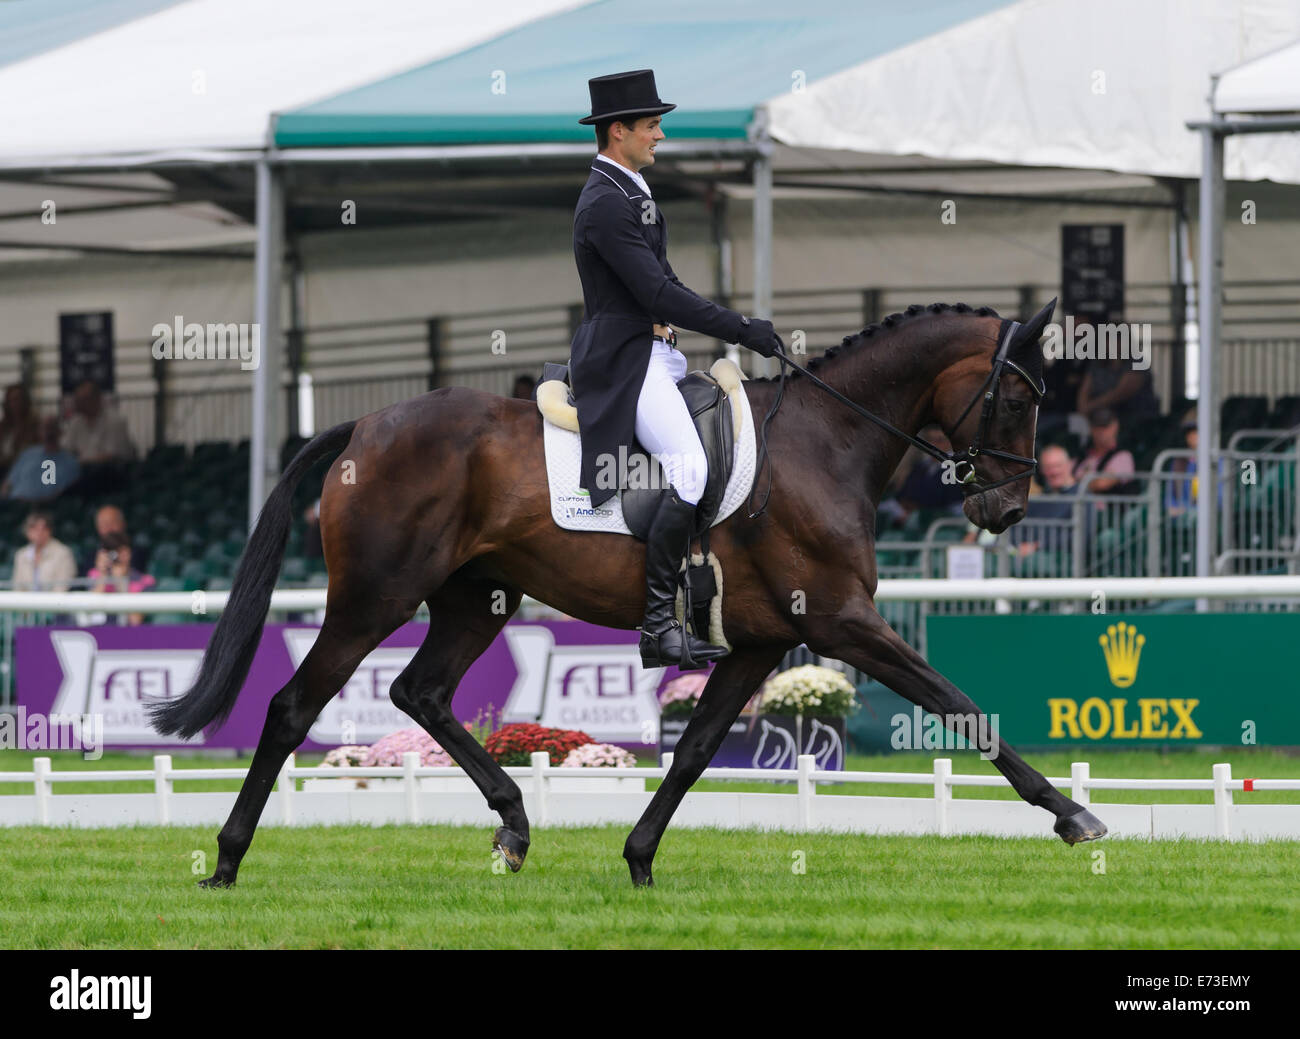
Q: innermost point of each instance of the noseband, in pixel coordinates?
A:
(968, 481)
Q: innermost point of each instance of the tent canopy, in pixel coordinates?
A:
(719, 60)
(147, 80)
(1003, 88)
(1270, 83)
(32, 27)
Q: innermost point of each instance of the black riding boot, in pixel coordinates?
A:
(663, 640)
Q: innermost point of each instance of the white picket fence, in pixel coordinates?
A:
(415, 794)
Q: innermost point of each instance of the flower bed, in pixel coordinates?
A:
(599, 755)
(515, 743)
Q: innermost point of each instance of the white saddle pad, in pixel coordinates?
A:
(571, 506)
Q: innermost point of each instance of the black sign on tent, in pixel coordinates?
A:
(86, 350)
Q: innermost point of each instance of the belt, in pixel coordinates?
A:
(666, 334)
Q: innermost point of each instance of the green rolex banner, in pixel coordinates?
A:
(1128, 679)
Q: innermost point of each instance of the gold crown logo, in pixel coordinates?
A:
(1122, 646)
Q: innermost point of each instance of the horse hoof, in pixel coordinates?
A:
(1081, 826)
(642, 878)
(216, 881)
(512, 847)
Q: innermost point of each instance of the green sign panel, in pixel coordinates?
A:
(1128, 679)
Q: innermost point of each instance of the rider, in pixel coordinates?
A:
(624, 365)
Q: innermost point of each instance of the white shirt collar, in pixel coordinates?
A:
(636, 177)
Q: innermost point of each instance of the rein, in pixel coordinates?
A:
(969, 484)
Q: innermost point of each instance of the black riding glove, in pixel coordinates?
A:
(758, 335)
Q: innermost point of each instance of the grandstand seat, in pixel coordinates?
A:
(1107, 554)
(165, 456)
(194, 574)
(1242, 413)
(1286, 413)
(1041, 564)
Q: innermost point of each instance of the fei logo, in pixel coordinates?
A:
(117, 683)
(362, 711)
(602, 690)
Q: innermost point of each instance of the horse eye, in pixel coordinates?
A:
(1016, 407)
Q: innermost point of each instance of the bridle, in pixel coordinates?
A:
(968, 481)
(1007, 334)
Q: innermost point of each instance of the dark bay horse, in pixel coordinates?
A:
(443, 499)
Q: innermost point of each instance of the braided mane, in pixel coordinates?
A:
(857, 339)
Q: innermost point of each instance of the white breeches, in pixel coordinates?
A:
(664, 426)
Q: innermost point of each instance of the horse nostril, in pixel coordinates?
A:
(1014, 516)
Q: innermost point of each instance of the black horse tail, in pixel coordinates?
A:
(230, 653)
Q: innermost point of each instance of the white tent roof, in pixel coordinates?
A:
(1107, 85)
(204, 76)
(1270, 83)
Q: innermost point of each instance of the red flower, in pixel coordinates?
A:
(513, 744)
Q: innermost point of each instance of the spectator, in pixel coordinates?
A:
(1104, 455)
(524, 387)
(1180, 494)
(109, 520)
(1115, 385)
(311, 543)
(19, 427)
(44, 564)
(1061, 378)
(926, 486)
(113, 571)
(43, 471)
(100, 440)
(1053, 501)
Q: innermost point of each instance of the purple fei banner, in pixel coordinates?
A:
(564, 674)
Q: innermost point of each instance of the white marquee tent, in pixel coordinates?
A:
(1028, 97)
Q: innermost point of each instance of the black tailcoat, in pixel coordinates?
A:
(620, 244)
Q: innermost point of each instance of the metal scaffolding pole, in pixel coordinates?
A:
(268, 400)
(1210, 319)
(762, 235)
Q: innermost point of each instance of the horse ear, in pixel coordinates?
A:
(1024, 350)
(1032, 330)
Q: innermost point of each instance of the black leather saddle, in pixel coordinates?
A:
(710, 410)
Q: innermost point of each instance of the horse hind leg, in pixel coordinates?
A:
(338, 649)
(464, 617)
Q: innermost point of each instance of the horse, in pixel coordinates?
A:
(443, 499)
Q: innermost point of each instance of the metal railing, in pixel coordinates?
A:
(362, 366)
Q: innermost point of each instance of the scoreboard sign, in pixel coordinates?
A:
(1092, 272)
(86, 350)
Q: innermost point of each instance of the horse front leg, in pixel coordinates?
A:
(871, 645)
(734, 679)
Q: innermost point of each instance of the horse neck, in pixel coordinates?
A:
(893, 377)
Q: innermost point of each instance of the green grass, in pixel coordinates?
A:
(434, 886)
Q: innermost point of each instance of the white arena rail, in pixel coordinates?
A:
(890, 590)
(414, 794)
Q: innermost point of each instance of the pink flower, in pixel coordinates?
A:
(390, 749)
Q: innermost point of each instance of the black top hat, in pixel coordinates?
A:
(623, 94)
